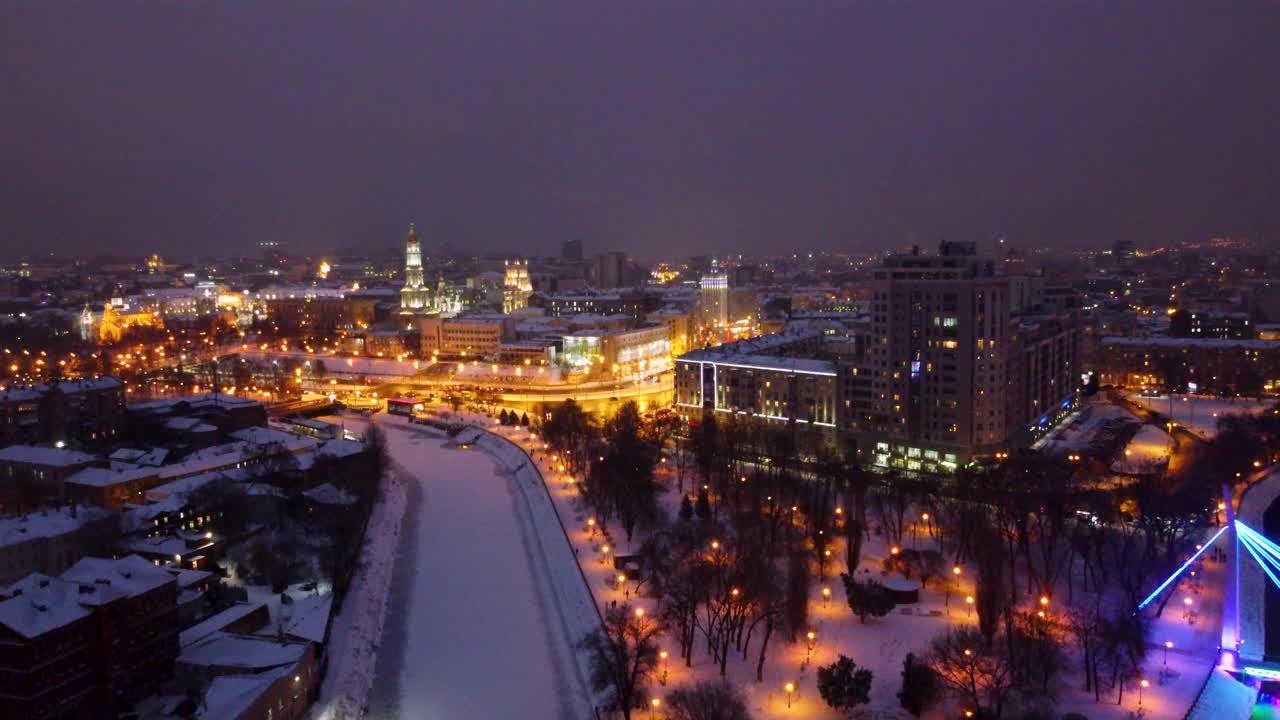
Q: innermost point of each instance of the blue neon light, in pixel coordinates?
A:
(1182, 569)
(1263, 673)
(1250, 548)
(1257, 544)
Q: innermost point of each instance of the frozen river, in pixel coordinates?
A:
(466, 634)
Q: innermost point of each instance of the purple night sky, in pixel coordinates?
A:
(653, 127)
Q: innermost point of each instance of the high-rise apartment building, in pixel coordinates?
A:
(959, 364)
(948, 368)
(608, 270)
(713, 299)
(571, 251)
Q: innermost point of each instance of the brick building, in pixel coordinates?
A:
(85, 412)
(88, 643)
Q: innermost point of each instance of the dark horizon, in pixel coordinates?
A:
(663, 129)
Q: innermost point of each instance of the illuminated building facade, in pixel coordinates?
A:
(713, 299)
(775, 379)
(415, 296)
(516, 286)
(619, 353)
(944, 372)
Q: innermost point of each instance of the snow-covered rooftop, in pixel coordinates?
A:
(248, 652)
(216, 622)
(230, 696)
(38, 603)
(106, 477)
(327, 494)
(47, 456)
(195, 401)
(1192, 343)
(46, 523)
(34, 392)
(341, 447)
(307, 618)
(128, 576)
(266, 436)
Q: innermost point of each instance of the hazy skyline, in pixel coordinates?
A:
(655, 128)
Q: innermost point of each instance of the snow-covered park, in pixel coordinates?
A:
(1147, 451)
(471, 607)
(880, 645)
(1200, 413)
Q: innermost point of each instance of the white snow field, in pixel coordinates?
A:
(1200, 413)
(478, 624)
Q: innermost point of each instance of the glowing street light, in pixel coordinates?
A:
(653, 706)
(662, 655)
(826, 597)
(790, 689)
(1142, 684)
(968, 600)
(1168, 644)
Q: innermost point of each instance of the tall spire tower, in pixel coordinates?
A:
(415, 295)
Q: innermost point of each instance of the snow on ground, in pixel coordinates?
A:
(474, 622)
(1079, 428)
(1147, 451)
(357, 630)
(482, 634)
(881, 644)
(1200, 413)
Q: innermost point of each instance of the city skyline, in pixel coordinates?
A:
(744, 128)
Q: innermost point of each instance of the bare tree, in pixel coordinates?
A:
(708, 700)
(972, 669)
(624, 653)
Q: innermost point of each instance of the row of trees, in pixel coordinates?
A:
(765, 504)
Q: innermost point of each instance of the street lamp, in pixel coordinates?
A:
(653, 706)
(968, 600)
(790, 689)
(1167, 645)
(663, 656)
(604, 554)
(1141, 685)
(826, 597)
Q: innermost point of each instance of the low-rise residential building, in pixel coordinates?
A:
(252, 677)
(31, 476)
(88, 643)
(86, 412)
(1244, 367)
(110, 487)
(51, 540)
